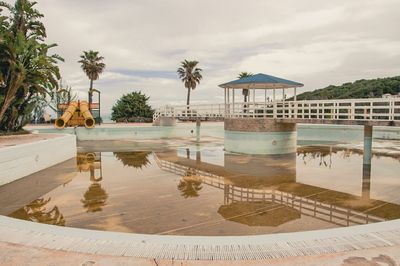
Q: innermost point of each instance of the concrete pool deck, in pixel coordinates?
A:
(23, 242)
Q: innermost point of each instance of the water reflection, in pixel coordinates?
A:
(90, 162)
(135, 159)
(366, 182)
(323, 154)
(227, 194)
(95, 198)
(256, 171)
(37, 211)
(263, 190)
(259, 213)
(189, 185)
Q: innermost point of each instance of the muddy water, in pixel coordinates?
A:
(186, 189)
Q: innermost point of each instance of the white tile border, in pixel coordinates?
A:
(384, 234)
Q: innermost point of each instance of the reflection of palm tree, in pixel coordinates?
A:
(189, 186)
(36, 211)
(135, 159)
(94, 198)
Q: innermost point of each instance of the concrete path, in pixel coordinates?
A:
(12, 254)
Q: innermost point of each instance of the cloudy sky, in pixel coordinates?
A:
(314, 42)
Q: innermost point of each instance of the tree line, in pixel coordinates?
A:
(364, 88)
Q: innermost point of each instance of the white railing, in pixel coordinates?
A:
(375, 109)
(216, 111)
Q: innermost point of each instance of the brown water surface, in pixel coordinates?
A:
(201, 190)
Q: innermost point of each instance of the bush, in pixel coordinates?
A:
(132, 107)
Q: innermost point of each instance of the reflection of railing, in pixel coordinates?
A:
(371, 109)
(309, 207)
(306, 206)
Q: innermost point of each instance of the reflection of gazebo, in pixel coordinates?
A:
(258, 213)
(256, 83)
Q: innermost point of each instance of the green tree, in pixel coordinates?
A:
(132, 107)
(245, 92)
(26, 69)
(39, 110)
(93, 66)
(190, 75)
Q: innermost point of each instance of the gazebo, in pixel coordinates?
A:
(251, 126)
(256, 83)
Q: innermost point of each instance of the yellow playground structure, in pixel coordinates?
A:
(76, 114)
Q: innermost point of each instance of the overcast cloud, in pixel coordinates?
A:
(314, 42)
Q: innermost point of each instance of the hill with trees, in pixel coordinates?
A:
(372, 88)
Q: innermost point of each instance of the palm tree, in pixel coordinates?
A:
(25, 66)
(245, 92)
(93, 66)
(190, 75)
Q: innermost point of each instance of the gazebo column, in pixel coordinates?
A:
(229, 107)
(265, 103)
(274, 95)
(367, 156)
(233, 102)
(254, 102)
(225, 99)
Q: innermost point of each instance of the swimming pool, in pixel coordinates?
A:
(180, 187)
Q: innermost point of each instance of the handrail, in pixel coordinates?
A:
(371, 109)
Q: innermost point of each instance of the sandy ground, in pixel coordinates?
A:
(11, 254)
(6, 141)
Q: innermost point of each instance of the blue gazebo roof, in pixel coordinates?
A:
(261, 81)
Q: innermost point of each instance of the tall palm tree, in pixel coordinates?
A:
(93, 66)
(190, 75)
(245, 92)
(26, 67)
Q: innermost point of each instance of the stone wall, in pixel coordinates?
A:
(257, 125)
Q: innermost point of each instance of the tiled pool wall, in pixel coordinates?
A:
(260, 142)
(188, 130)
